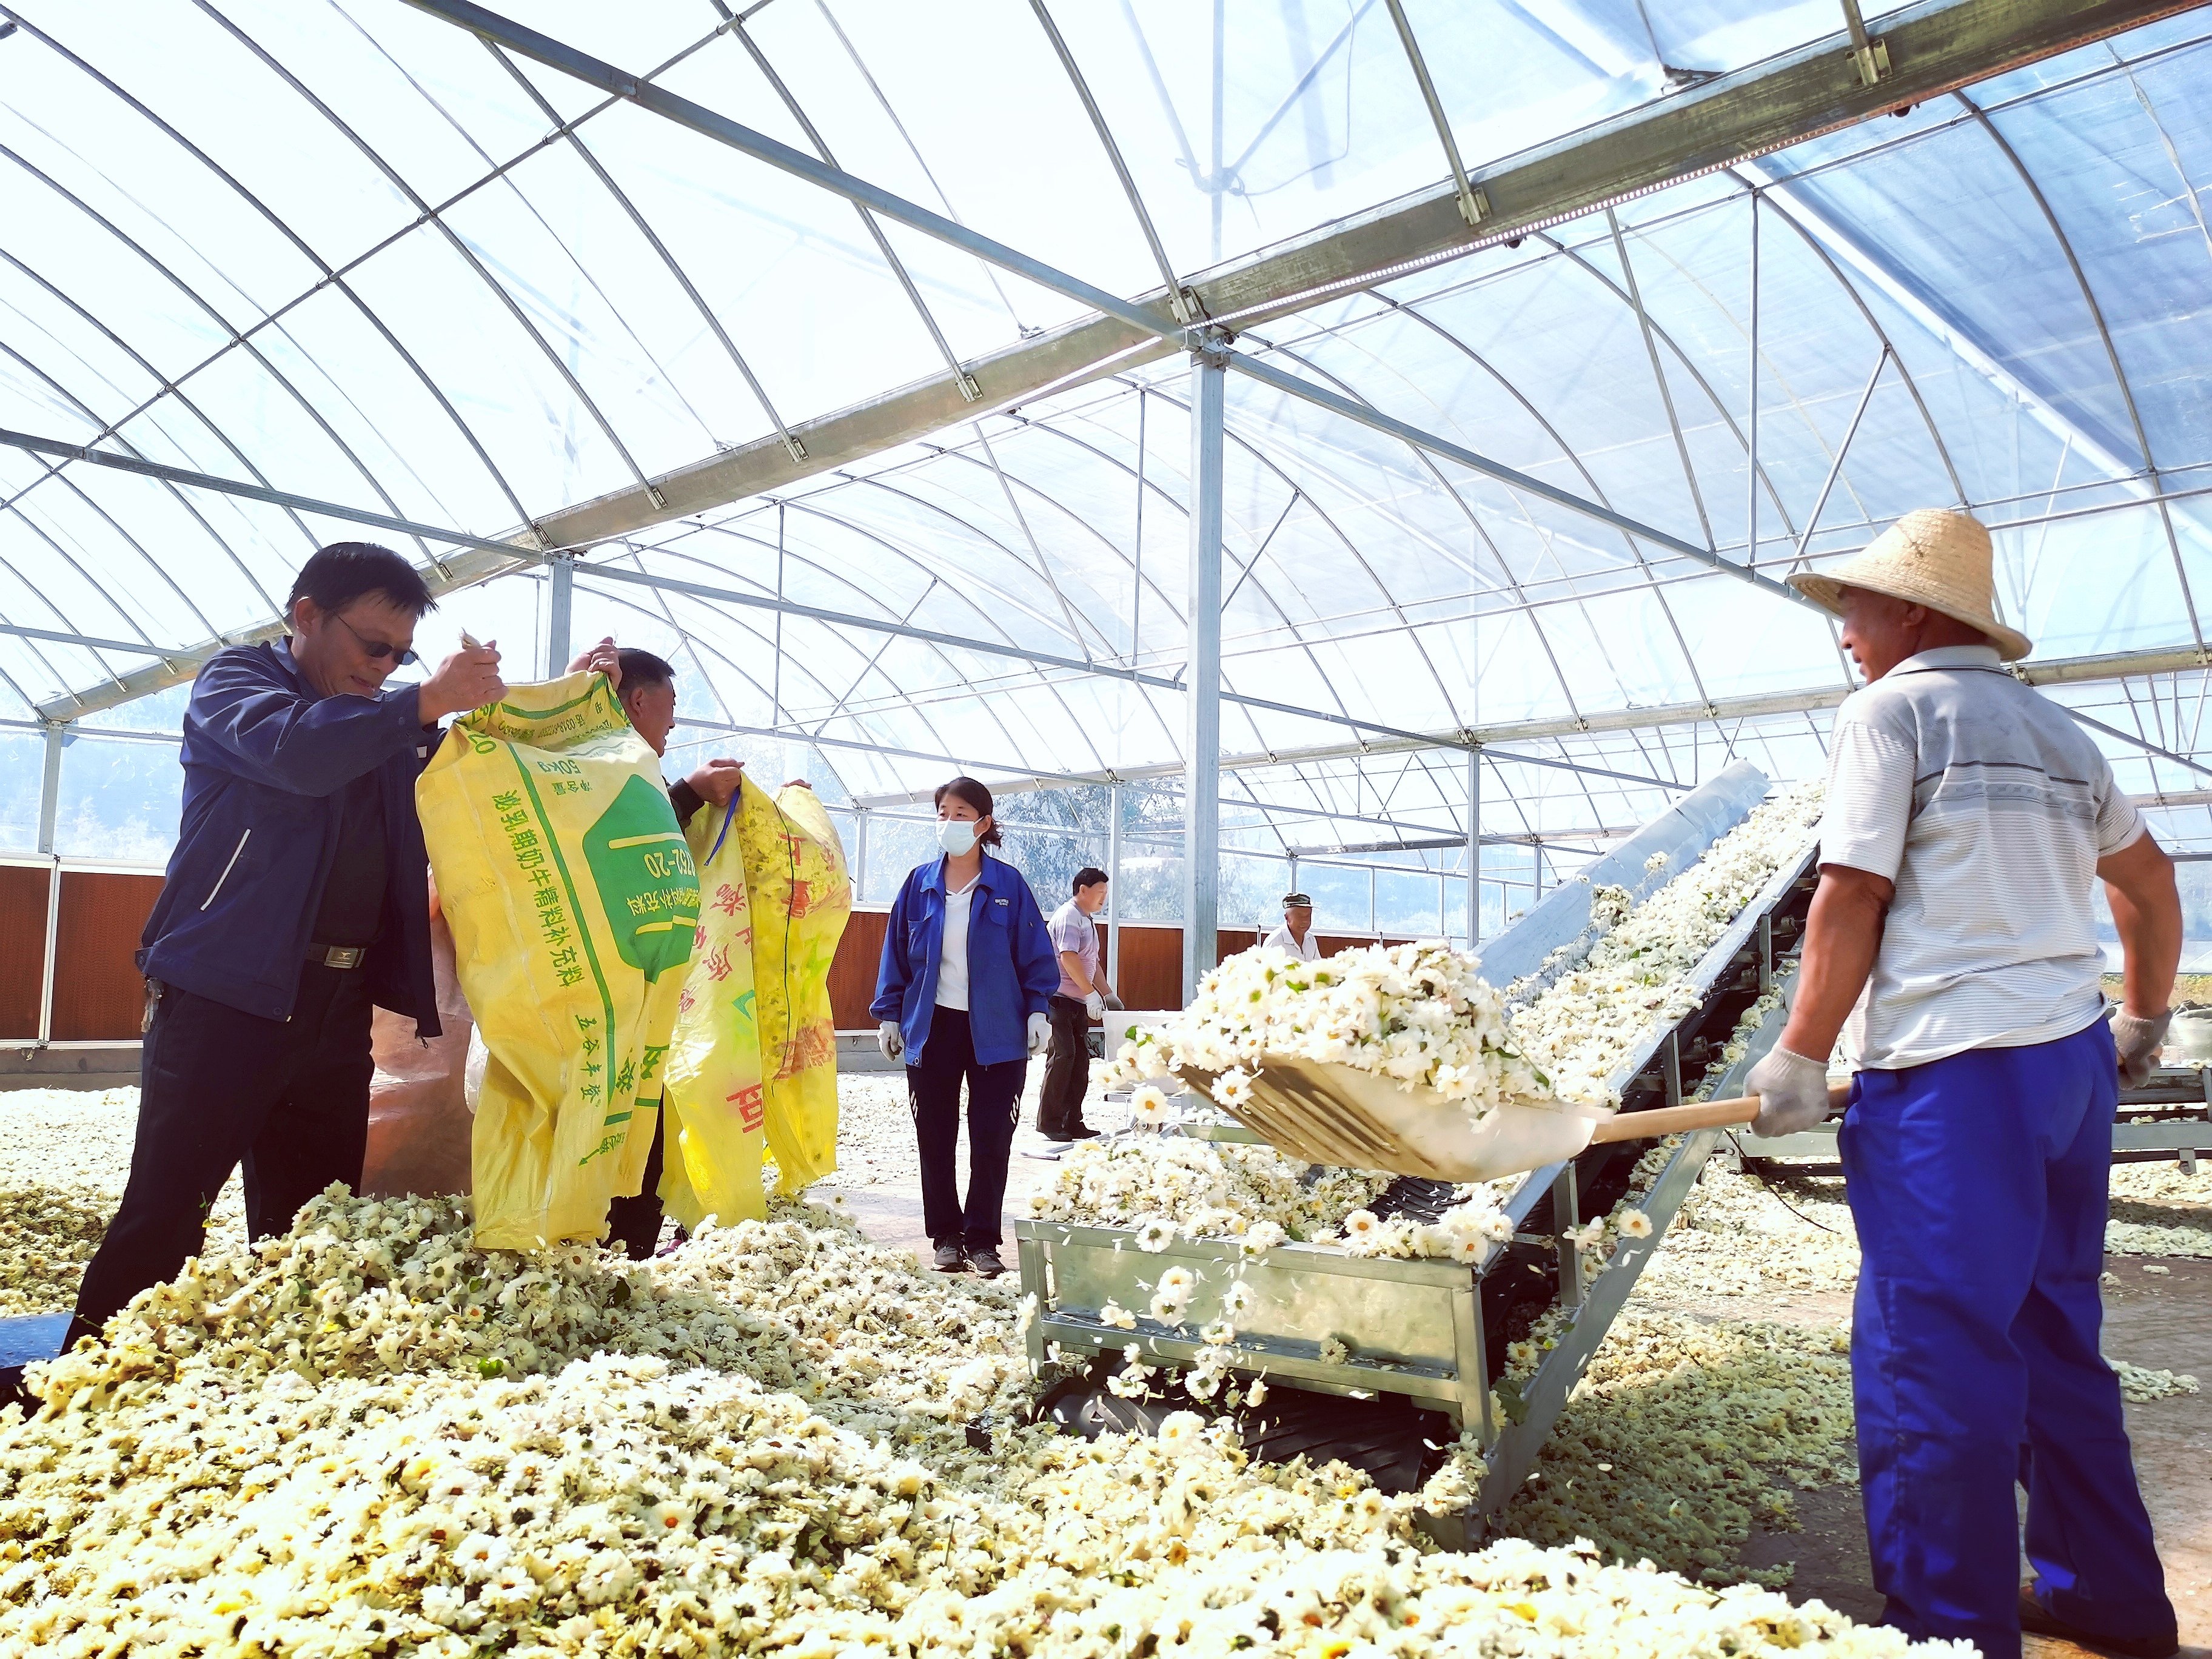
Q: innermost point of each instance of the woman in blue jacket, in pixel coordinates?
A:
(968, 975)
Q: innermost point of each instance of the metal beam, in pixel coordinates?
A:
(2143, 744)
(1937, 45)
(137, 649)
(985, 647)
(1113, 887)
(463, 569)
(284, 498)
(1474, 849)
(697, 117)
(560, 604)
(50, 784)
(1201, 815)
(1297, 387)
(2061, 670)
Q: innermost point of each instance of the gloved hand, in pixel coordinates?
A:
(890, 1040)
(1792, 1091)
(1095, 1005)
(2138, 1041)
(1113, 1004)
(1040, 1035)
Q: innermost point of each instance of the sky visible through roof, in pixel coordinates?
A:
(349, 251)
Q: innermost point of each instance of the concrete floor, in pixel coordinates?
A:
(2161, 1321)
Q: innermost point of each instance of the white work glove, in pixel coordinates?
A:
(2138, 1041)
(1792, 1091)
(1113, 1004)
(1040, 1035)
(890, 1040)
(1095, 1005)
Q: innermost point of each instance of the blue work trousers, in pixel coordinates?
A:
(1978, 1185)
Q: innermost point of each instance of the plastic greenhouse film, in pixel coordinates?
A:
(573, 899)
(801, 899)
(716, 1101)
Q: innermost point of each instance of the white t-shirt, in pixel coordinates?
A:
(1988, 808)
(952, 962)
(1281, 939)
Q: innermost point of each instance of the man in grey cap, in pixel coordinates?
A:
(1295, 935)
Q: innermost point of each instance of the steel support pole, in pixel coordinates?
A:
(1114, 889)
(49, 792)
(1202, 826)
(859, 855)
(1475, 849)
(560, 601)
(50, 784)
(1751, 415)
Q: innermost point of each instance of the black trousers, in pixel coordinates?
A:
(289, 1097)
(1067, 1071)
(635, 1223)
(994, 1094)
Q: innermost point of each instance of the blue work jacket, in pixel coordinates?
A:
(1012, 971)
(267, 760)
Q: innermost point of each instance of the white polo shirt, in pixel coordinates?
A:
(1281, 939)
(1988, 808)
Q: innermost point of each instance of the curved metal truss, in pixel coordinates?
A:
(1496, 475)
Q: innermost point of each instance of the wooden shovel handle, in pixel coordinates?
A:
(1678, 1120)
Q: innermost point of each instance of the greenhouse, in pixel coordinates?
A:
(1354, 476)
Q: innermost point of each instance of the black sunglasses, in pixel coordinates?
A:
(378, 650)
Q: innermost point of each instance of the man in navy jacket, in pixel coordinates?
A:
(296, 901)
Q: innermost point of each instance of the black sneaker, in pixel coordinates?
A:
(1082, 1132)
(950, 1259)
(2039, 1620)
(986, 1262)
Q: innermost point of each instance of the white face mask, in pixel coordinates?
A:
(957, 835)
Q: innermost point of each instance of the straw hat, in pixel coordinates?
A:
(1929, 556)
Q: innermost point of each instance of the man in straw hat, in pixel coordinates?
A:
(1951, 942)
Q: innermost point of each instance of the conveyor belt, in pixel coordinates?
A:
(1430, 1339)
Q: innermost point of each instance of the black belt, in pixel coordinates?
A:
(336, 956)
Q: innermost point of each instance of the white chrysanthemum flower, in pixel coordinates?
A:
(1181, 1431)
(1256, 1393)
(1335, 1351)
(1238, 1299)
(1148, 1106)
(1361, 1226)
(1232, 1088)
(1119, 1317)
(480, 1555)
(1633, 1224)
(1154, 1234)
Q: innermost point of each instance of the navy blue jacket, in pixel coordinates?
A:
(266, 763)
(1013, 969)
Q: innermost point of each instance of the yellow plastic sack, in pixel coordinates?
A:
(800, 899)
(573, 899)
(716, 1104)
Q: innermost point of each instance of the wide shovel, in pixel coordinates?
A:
(1330, 1114)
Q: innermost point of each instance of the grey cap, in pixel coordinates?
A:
(1297, 901)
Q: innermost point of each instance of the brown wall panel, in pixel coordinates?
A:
(852, 971)
(99, 996)
(22, 947)
(1151, 966)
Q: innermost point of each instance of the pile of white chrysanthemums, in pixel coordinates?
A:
(1418, 1014)
(1164, 1187)
(370, 1438)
